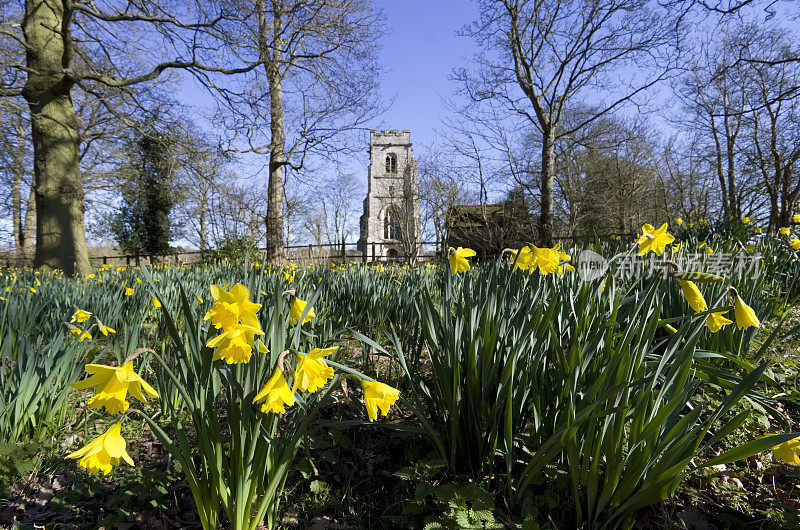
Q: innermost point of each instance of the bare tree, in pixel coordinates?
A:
(16, 173)
(58, 45)
(319, 80)
(540, 55)
(774, 130)
(442, 187)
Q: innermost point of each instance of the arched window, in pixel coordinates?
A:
(391, 163)
(391, 224)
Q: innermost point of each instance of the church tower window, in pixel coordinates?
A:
(391, 163)
(391, 224)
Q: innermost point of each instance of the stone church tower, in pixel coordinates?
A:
(390, 225)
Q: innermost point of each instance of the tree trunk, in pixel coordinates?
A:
(271, 44)
(60, 237)
(546, 187)
(733, 195)
(16, 205)
(28, 232)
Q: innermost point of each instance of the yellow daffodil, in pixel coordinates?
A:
(522, 258)
(311, 372)
(744, 314)
(795, 243)
(458, 260)
(378, 395)
(155, 302)
(238, 296)
(104, 452)
(296, 311)
(235, 343)
(113, 384)
(676, 248)
(275, 394)
(679, 221)
(787, 451)
(709, 250)
(693, 296)
(701, 245)
(746, 220)
(784, 230)
(105, 330)
(715, 321)
(89, 276)
(757, 230)
(199, 299)
(31, 289)
(796, 218)
(80, 334)
(80, 316)
(288, 276)
(129, 291)
(546, 259)
(223, 315)
(654, 240)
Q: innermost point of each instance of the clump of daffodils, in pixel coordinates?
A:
(744, 315)
(112, 384)
(235, 315)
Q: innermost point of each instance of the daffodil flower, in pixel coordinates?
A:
(80, 334)
(744, 314)
(378, 395)
(693, 296)
(234, 344)
(654, 240)
(787, 451)
(80, 316)
(275, 395)
(113, 384)
(715, 321)
(311, 372)
(458, 260)
(296, 311)
(104, 452)
(784, 230)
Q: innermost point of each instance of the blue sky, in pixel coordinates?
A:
(420, 54)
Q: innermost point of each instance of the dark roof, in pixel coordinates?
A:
(464, 215)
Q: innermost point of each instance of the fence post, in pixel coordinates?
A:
(373, 252)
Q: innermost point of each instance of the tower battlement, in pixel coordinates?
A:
(389, 137)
